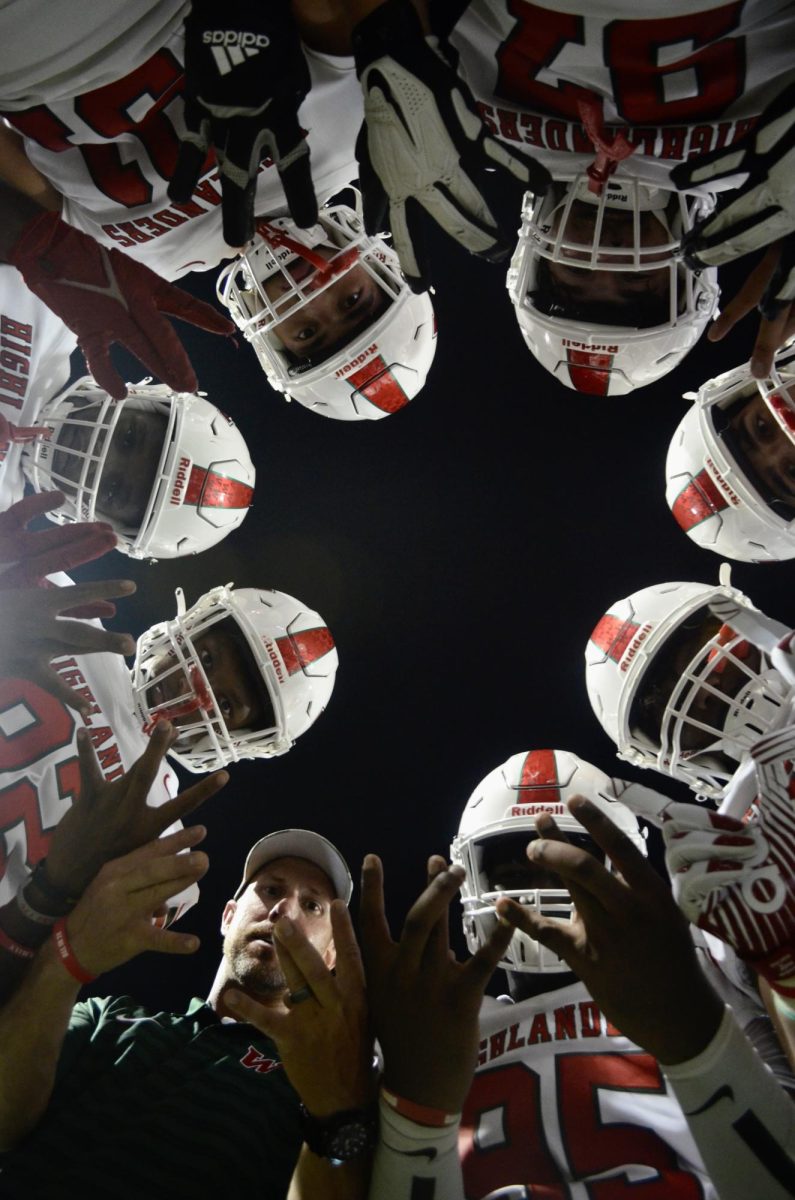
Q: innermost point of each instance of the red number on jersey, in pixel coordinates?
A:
(503, 1142)
(110, 111)
(703, 76)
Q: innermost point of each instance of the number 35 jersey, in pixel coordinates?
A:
(39, 772)
(564, 1106)
(689, 80)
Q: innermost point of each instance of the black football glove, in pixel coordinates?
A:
(424, 146)
(758, 213)
(246, 77)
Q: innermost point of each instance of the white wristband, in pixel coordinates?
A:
(408, 1152)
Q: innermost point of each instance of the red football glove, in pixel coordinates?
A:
(104, 297)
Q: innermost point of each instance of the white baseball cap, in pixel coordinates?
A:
(299, 843)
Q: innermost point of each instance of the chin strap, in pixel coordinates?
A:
(608, 153)
(201, 700)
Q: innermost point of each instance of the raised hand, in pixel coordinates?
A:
(113, 921)
(28, 556)
(324, 1040)
(105, 296)
(424, 1003)
(108, 820)
(424, 147)
(246, 79)
(627, 940)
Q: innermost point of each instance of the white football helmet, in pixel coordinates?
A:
(292, 654)
(653, 668)
(499, 819)
(382, 366)
(203, 482)
(580, 345)
(714, 493)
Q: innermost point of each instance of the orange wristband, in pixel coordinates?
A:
(419, 1113)
(67, 954)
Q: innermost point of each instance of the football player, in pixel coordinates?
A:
(585, 1071)
(608, 103)
(109, 177)
(170, 472)
(685, 678)
(241, 674)
(730, 471)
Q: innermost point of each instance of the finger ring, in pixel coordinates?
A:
(304, 993)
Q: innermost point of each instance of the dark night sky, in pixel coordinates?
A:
(461, 551)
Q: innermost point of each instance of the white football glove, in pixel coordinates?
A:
(424, 146)
(758, 213)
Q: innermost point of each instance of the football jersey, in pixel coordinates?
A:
(564, 1105)
(35, 346)
(689, 80)
(39, 770)
(111, 152)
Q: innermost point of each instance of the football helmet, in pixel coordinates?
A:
(291, 651)
(712, 489)
(578, 343)
(381, 366)
(499, 819)
(678, 691)
(203, 482)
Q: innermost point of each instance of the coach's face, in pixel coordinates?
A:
(286, 887)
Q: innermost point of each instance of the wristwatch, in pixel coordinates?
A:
(343, 1135)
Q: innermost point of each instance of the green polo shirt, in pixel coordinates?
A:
(160, 1104)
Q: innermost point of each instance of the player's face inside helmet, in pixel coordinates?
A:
(236, 692)
(609, 289)
(764, 449)
(123, 482)
(508, 869)
(312, 329)
(686, 696)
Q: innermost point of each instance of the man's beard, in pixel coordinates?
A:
(255, 974)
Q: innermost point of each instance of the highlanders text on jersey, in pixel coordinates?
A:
(112, 151)
(39, 772)
(687, 81)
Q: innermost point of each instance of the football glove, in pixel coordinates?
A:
(424, 146)
(246, 77)
(758, 213)
(737, 879)
(104, 297)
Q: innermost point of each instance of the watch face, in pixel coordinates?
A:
(349, 1141)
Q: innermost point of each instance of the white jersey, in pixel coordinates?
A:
(691, 78)
(39, 770)
(111, 150)
(35, 346)
(564, 1105)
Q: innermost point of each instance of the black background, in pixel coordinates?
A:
(461, 551)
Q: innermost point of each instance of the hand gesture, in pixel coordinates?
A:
(425, 1004)
(113, 921)
(28, 556)
(246, 79)
(323, 1040)
(108, 820)
(424, 146)
(105, 296)
(627, 940)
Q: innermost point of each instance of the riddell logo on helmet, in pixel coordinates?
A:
(529, 810)
(721, 482)
(590, 346)
(274, 657)
(231, 37)
(634, 646)
(351, 366)
(180, 479)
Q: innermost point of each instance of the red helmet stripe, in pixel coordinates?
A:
(299, 650)
(540, 773)
(612, 635)
(697, 501)
(589, 372)
(207, 489)
(376, 381)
